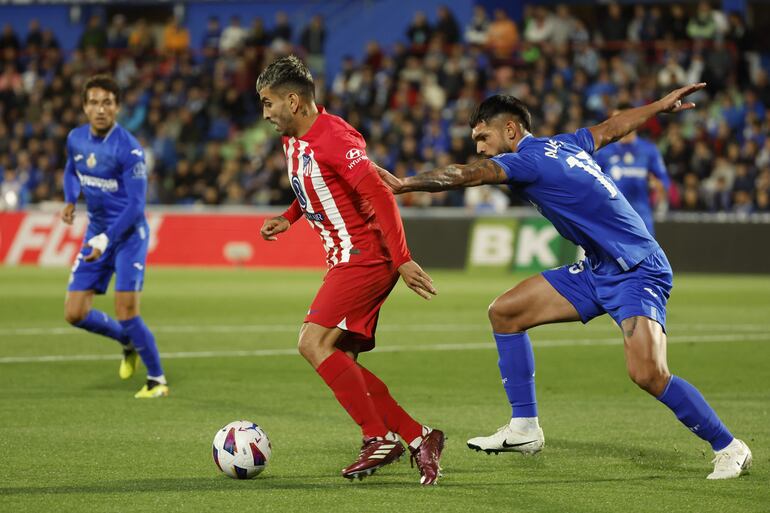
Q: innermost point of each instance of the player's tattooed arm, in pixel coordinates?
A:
(453, 176)
(626, 121)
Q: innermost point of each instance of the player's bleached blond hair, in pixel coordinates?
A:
(288, 73)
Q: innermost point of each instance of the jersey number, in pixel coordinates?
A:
(587, 164)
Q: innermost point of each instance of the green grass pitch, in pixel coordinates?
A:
(72, 438)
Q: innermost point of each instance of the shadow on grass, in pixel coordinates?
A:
(262, 484)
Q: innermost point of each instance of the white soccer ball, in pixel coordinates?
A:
(241, 449)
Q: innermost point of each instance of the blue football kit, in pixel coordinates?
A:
(111, 173)
(629, 165)
(625, 272)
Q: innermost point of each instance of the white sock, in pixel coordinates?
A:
(160, 379)
(414, 444)
(524, 423)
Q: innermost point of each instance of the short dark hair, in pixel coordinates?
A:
(287, 73)
(502, 104)
(105, 82)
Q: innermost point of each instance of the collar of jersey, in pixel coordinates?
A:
(528, 136)
(92, 137)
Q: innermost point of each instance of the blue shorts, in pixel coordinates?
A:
(126, 259)
(642, 290)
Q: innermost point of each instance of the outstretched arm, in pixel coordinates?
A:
(629, 120)
(453, 176)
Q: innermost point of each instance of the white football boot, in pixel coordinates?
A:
(732, 461)
(519, 435)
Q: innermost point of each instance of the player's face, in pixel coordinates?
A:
(276, 109)
(491, 138)
(101, 108)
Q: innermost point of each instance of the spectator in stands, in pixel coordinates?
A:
(9, 41)
(418, 33)
(212, 34)
(502, 36)
(613, 27)
(672, 74)
(654, 25)
(258, 35)
(94, 36)
(49, 41)
(176, 37)
(11, 83)
(564, 25)
(34, 34)
(446, 26)
(539, 27)
(476, 32)
(313, 40)
(282, 30)
(703, 25)
(233, 36)
(117, 33)
(141, 40)
(675, 25)
(636, 25)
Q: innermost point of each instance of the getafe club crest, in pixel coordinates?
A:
(91, 161)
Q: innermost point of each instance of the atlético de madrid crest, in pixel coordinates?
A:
(91, 161)
(307, 168)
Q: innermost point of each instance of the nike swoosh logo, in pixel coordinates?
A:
(508, 446)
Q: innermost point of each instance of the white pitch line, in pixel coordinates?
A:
(390, 349)
(294, 328)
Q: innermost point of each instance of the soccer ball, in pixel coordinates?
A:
(241, 449)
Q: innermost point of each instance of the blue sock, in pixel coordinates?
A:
(102, 324)
(144, 342)
(517, 368)
(693, 411)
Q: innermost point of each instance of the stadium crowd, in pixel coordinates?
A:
(196, 113)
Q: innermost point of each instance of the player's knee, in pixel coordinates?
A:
(308, 346)
(125, 310)
(303, 347)
(504, 316)
(74, 315)
(650, 378)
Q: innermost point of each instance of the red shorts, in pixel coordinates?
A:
(350, 299)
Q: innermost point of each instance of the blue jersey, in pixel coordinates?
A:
(111, 173)
(629, 165)
(561, 179)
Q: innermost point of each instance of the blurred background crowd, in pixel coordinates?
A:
(192, 103)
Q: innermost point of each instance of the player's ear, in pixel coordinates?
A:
(512, 129)
(294, 101)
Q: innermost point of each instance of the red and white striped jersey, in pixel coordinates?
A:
(324, 166)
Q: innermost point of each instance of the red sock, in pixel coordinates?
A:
(395, 417)
(344, 377)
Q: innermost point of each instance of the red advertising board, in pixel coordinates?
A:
(175, 239)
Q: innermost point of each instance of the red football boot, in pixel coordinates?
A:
(375, 453)
(427, 456)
